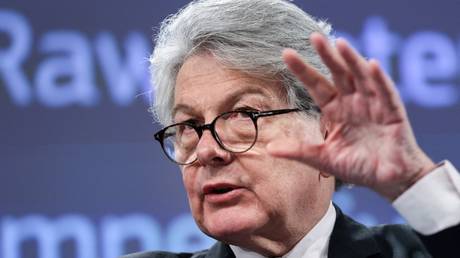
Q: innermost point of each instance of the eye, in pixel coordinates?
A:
(184, 131)
(188, 121)
(184, 128)
(188, 125)
(191, 121)
(238, 115)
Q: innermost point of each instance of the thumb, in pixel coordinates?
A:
(296, 150)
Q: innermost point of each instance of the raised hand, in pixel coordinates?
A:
(370, 142)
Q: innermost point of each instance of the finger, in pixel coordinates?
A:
(358, 66)
(320, 89)
(335, 63)
(386, 91)
(296, 150)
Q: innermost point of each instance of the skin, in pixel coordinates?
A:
(370, 143)
(279, 200)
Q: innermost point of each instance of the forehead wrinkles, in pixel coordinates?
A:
(198, 75)
(250, 94)
(205, 95)
(204, 83)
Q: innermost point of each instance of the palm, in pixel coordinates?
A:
(370, 141)
(355, 153)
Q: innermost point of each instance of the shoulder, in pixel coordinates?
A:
(357, 240)
(398, 238)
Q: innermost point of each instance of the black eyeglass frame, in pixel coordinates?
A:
(199, 129)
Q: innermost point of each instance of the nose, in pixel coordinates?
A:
(210, 153)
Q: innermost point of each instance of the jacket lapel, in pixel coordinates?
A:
(350, 239)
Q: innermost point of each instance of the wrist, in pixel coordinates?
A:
(413, 174)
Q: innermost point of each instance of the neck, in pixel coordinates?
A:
(280, 239)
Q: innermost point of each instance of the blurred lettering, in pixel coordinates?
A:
(66, 77)
(181, 234)
(125, 78)
(116, 230)
(423, 64)
(48, 234)
(379, 42)
(428, 69)
(12, 57)
(72, 67)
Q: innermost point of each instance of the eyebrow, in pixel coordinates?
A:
(232, 98)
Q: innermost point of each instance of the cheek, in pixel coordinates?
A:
(281, 184)
(190, 183)
(298, 188)
(293, 177)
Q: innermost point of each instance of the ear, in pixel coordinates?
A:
(325, 127)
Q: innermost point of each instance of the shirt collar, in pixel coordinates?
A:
(313, 245)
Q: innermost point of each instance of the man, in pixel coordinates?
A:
(263, 114)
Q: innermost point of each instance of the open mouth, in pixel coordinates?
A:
(219, 189)
(222, 194)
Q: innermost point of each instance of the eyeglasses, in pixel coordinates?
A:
(234, 131)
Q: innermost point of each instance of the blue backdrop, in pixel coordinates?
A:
(80, 175)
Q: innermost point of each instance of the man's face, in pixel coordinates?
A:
(242, 198)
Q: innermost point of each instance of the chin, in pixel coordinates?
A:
(229, 225)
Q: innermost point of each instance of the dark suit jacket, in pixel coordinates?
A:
(350, 239)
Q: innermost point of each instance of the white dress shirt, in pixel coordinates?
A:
(429, 206)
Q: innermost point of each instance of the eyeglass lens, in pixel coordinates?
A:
(236, 132)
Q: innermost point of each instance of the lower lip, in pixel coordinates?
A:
(224, 197)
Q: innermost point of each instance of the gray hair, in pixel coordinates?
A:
(245, 35)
